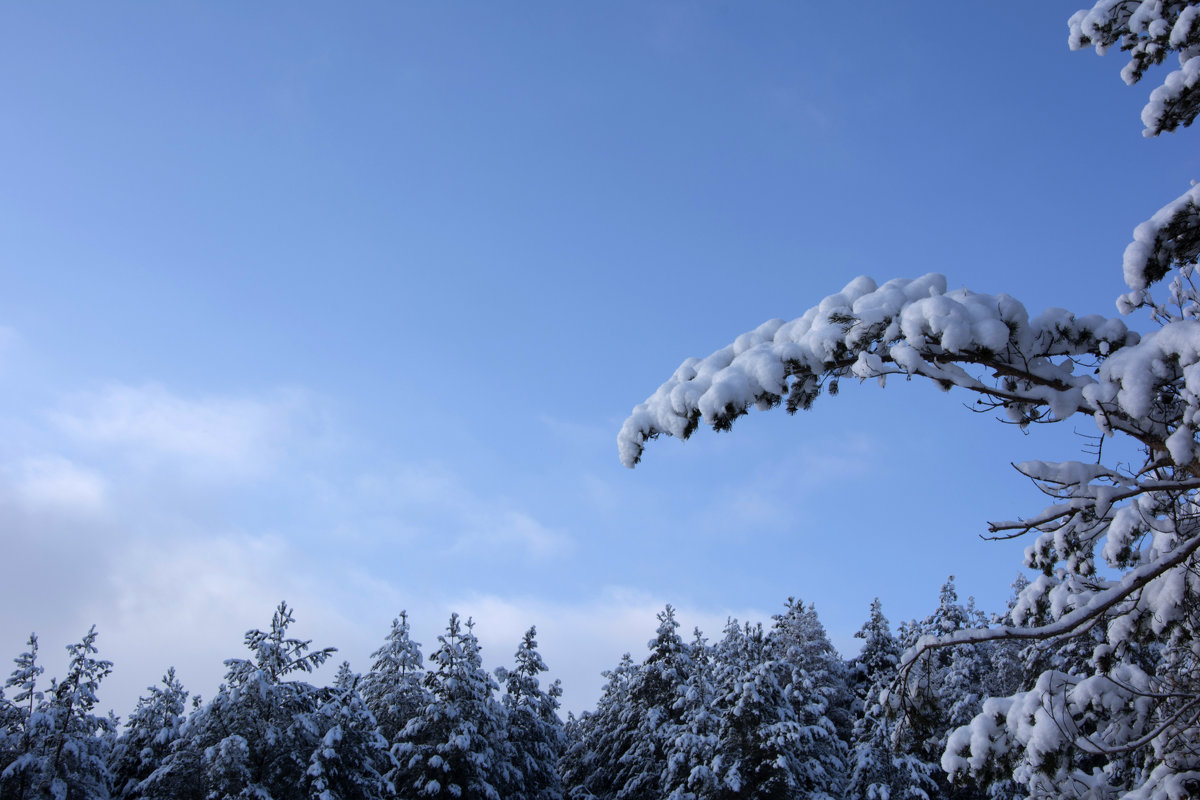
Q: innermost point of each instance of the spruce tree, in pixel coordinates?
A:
(255, 738)
(71, 745)
(689, 773)
(591, 767)
(24, 724)
(535, 732)
(655, 697)
(878, 767)
(351, 757)
(814, 677)
(149, 736)
(394, 689)
(758, 738)
(455, 747)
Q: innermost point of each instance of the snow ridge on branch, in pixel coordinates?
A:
(1149, 30)
(909, 327)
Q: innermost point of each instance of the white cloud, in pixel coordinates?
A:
(429, 502)
(148, 422)
(489, 529)
(58, 486)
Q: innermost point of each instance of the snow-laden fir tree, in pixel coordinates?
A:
(759, 740)
(656, 696)
(879, 656)
(455, 747)
(814, 677)
(23, 723)
(878, 768)
(256, 737)
(945, 688)
(624, 750)
(394, 689)
(149, 736)
(1139, 518)
(535, 731)
(591, 767)
(351, 758)
(63, 746)
(689, 773)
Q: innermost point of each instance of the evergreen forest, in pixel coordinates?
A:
(760, 711)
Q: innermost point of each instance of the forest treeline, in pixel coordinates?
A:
(761, 712)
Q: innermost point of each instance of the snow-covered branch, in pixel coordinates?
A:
(912, 327)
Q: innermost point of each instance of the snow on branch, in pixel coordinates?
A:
(911, 327)
(1094, 608)
(1170, 238)
(1149, 30)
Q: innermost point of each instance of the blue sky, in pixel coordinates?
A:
(345, 306)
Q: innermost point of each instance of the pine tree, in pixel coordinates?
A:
(57, 747)
(150, 733)
(597, 742)
(655, 697)
(455, 747)
(879, 769)
(352, 756)
(1139, 517)
(24, 724)
(814, 677)
(255, 738)
(394, 689)
(689, 773)
(535, 732)
(879, 656)
(759, 738)
(945, 689)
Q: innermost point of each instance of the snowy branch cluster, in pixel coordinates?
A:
(1108, 726)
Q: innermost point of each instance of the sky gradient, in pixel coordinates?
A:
(345, 306)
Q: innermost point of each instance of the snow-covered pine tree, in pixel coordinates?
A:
(944, 689)
(71, 745)
(759, 738)
(352, 756)
(879, 657)
(149, 735)
(1140, 518)
(23, 724)
(255, 738)
(624, 750)
(878, 769)
(455, 747)
(535, 731)
(346, 677)
(656, 702)
(814, 677)
(394, 689)
(597, 741)
(689, 771)
(1006, 672)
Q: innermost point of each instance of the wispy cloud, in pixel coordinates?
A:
(220, 433)
(53, 484)
(429, 503)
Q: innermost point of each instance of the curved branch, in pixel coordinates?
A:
(1067, 624)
